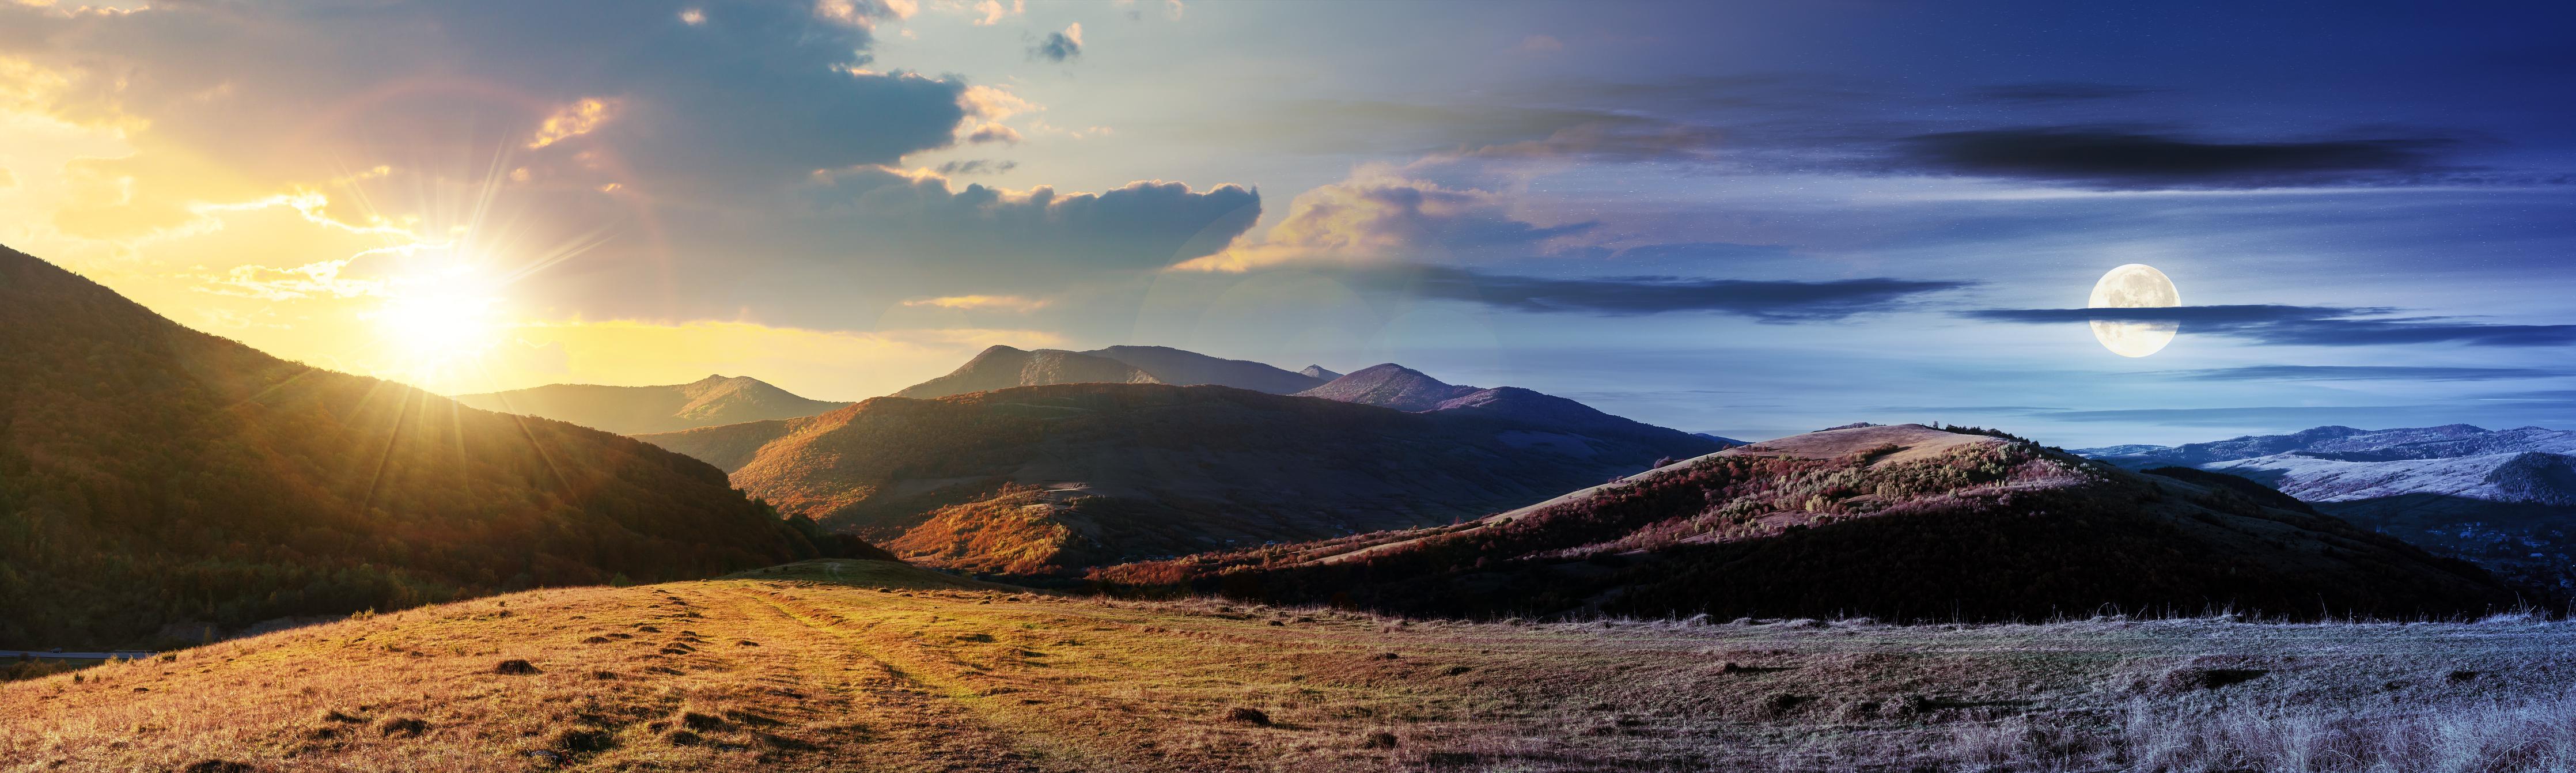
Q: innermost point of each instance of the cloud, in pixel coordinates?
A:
(1378, 217)
(994, 103)
(975, 166)
(2359, 373)
(1011, 303)
(1541, 43)
(1060, 46)
(598, 91)
(2118, 158)
(991, 12)
(2059, 91)
(993, 132)
(1042, 232)
(573, 120)
(2304, 325)
(1766, 300)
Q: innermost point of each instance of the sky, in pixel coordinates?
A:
(1747, 218)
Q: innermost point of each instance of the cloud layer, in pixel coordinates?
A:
(2118, 158)
(2304, 325)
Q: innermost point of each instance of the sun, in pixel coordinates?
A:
(440, 321)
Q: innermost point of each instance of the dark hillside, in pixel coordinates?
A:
(157, 483)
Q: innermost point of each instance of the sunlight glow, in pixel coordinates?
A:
(440, 321)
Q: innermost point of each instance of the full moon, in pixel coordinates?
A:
(2134, 286)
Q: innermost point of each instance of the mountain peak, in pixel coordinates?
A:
(1318, 371)
(1004, 367)
(1187, 368)
(1392, 386)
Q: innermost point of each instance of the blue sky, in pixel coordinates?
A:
(1749, 218)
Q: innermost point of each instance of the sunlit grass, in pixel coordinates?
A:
(844, 665)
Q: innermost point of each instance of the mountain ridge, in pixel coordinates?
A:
(1172, 469)
(711, 401)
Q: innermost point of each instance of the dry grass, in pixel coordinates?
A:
(872, 666)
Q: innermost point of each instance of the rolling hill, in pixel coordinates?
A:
(707, 402)
(1003, 367)
(1904, 522)
(1049, 479)
(158, 483)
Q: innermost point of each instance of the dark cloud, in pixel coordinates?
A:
(1770, 301)
(1043, 232)
(2304, 325)
(748, 94)
(977, 166)
(2359, 373)
(2059, 91)
(2117, 158)
(1057, 47)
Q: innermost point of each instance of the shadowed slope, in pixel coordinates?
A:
(157, 482)
(1905, 522)
(707, 402)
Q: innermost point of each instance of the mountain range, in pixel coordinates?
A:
(1050, 479)
(1003, 367)
(1905, 522)
(707, 402)
(2503, 497)
(158, 483)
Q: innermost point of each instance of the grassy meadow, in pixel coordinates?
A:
(857, 665)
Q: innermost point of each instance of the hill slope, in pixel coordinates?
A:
(156, 482)
(1044, 479)
(1904, 522)
(707, 402)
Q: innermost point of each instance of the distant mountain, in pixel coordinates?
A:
(2446, 441)
(157, 483)
(1390, 386)
(1186, 368)
(1050, 479)
(2504, 498)
(1003, 367)
(1722, 439)
(1318, 372)
(707, 402)
(1904, 522)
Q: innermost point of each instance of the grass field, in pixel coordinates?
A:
(875, 666)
